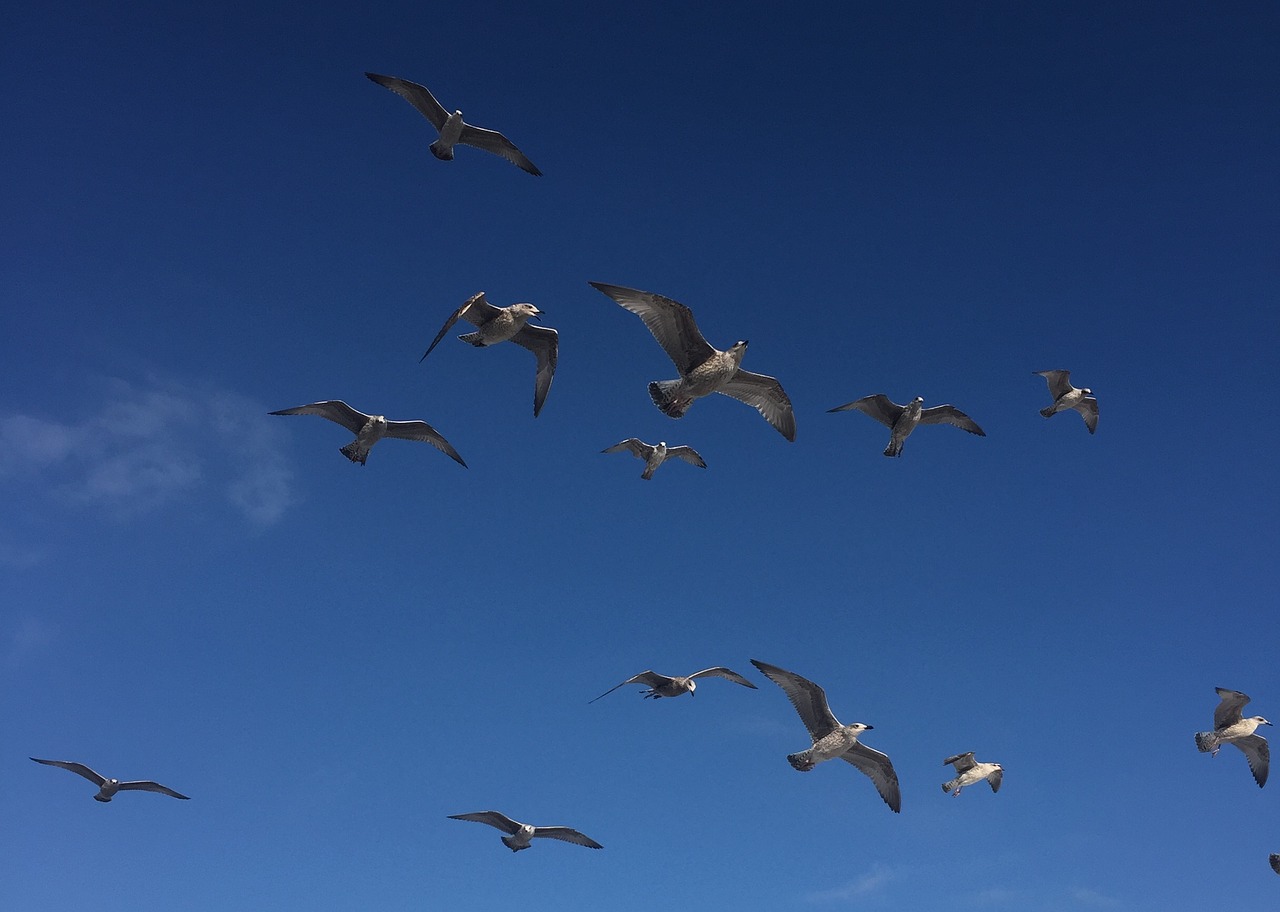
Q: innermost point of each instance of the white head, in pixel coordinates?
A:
(918, 399)
(691, 685)
(1260, 720)
(737, 351)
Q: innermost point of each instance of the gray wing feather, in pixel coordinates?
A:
(648, 678)
(688, 454)
(420, 430)
(416, 95)
(633, 445)
(146, 785)
(878, 406)
(78, 768)
(567, 834)
(495, 142)
(544, 342)
(878, 767)
(1088, 409)
(477, 311)
(1258, 753)
(766, 396)
(335, 410)
(963, 761)
(995, 779)
(493, 818)
(1059, 382)
(949, 414)
(809, 700)
(1228, 711)
(671, 323)
(721, 672)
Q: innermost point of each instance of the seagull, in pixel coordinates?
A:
(970, 772)
(830, 738)
(369, 429)
(902, 419)
(662, 686)
(451, 126)
(520, 834)
(107, 788)
(703, 369)
(1230, 728)
(655, 456)
(1275, 862)
(499, 324)
(1066, 396)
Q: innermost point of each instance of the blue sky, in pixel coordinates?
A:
(211, 214)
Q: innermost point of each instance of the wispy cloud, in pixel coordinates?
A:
(1095, 899)
(869, 884)
(25, 637)
(147, 445)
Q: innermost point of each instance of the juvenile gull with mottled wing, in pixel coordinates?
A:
(107, 788)
(369, 429)
(659, 685)
(903, 419)
(1065, 396)
(655, 456)
(969, 771)
(520, 834)
(1229, 727)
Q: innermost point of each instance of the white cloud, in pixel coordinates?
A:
(1094, 898)
(868, 884)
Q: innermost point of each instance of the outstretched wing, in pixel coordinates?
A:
(544, 342)
(495, 142)
(1059, 382)
(963, 761)
(566, 834)
(1228, 711)
(633, 445)
(690, 455)
(78, 768)
(648, 678)
(146, 785)
(766, 396)
(1256, 751)
(476, 310)
(877, 766)
(880, 407)
(420, 430)
(809, 700)
(670, 322)
(949, 414)
(493, 818)
(1088, 409)
(995, 779)
(721, 672)
(335, 410)
(416, 95)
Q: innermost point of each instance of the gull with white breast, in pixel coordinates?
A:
(369, 429)
(660, 685)
(655, 456)
(903, 419)
(969, 771)
(107, 788)
(1230, 727)
(1067, 397)
(519, 835)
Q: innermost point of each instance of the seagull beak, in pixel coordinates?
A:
(869, 727)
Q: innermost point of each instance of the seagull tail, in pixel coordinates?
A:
(508, 841)
(1047, 411)
(648, 472)
(472, 339)
(1206, 741)
(948, 787)
(664, 394)
(894, 448)
(802, 761)
(353, 452)
(442, 153)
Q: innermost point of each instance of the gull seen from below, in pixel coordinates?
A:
(519, 835)
(369, 429)
(970, 771)
(1230, 728)
(830, 738)
(703, 370)
(107, 788)
(453, 130)
(659, 685)
(1275, 862)
(655, 456)
(901, 420)
(501, 324)
(1066, 396)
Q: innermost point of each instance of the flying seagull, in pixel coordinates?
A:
(968, 772)
(1230, 728)
(1275, 862)
(451, 126)
(520, 834)
(830, 738)
(1065, 396)
(662, 686)
(655, 456)
(369, 429)
(703, 369)
(499, 324)
(902, 419)
(107, 788)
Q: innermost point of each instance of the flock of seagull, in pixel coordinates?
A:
(703, 370)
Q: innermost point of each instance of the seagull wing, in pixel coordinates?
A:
(1258, 753)
(420, 430)
(416, 95)
(880, 407)
(766, 396)
(1275, 862)
(633, 445)
(877, 766)
(495, 142)
(721, 672)
(670, 322)
(477, 311)
(1088, 409)
(963, 761)
(493, 818)
(544, 342)
(949, 414)
(78, 768)
(1059, 382)
(808, 698)
(690, 455)
(648, 678)
(1228, 711)
(335, 410)
(995, 779)
(146, 785)
(567, 834)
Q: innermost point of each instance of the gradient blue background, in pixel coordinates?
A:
(210, 214)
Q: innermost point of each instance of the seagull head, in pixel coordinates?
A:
(860, 727)
(529, 311)
(1087, 391)
(918, 399)
(738, 349)
(691, 686)
(1260, 720)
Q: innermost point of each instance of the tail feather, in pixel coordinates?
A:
(803, 761)
(894, 448)
(443, 155)
(1207, 741)
(665, 396)
(1047, 411)
(948, 787)
(473, 339)
(353, 452)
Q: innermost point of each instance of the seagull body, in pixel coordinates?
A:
(655, 456)
(369, 429)
(453, 130)
(503, 324)
(830, 738)
(659, 685)
(703, 370)
(107, 788)
(903, 419)
(519, 835)
(1066, 396)
(969, 772)
(1229, 727)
